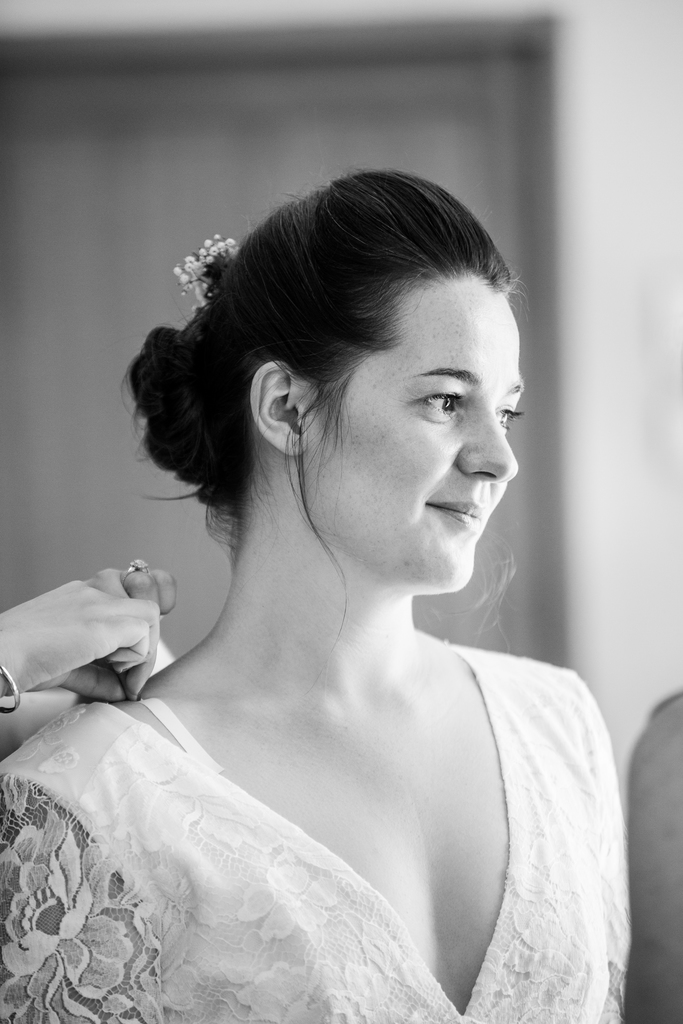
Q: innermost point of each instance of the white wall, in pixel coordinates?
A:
(620, 124)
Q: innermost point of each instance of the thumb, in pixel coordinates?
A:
(95, 681)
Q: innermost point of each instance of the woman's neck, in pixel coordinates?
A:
(294, 625)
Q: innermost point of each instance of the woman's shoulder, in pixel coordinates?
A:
(549, 699)
(63, 755)
(550, 713)
(522, 675)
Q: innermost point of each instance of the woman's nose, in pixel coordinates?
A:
(487, 452)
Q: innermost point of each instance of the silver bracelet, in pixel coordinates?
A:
(14, 691)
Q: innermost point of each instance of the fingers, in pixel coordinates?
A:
(160, 587)
(49, 638)
(151, 594)
(109, 582)
(135, 662)
(167, 589)
(157, 586)
(97, 682)
(135, 678)
(125, 657)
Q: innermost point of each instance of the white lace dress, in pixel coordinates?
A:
(139, 884)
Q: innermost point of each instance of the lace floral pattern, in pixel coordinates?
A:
(135, 884)
(76, 943)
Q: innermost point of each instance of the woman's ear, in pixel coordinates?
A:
(278, 404)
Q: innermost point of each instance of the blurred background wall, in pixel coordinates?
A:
(559, 122)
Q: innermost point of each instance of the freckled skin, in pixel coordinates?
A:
(371, 497)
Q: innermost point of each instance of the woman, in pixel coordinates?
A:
(320, 814)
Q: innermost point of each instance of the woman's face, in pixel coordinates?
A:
(424, 456)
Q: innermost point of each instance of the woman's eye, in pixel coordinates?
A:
(508, 417)
(445, 403)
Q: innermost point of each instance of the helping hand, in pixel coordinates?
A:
(98, 638)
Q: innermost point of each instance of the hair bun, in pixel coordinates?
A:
(163, 382)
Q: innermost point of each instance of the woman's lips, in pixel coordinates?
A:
(462, 512)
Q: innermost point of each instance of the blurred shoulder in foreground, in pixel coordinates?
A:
(654, 987)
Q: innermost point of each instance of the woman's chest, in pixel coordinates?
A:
(422, 819)
(326, 883)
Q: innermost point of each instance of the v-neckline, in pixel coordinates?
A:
(346, 868)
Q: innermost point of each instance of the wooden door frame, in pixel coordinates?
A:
(347, 45)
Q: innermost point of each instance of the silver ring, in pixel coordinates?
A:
(137, 565)
(15, 691)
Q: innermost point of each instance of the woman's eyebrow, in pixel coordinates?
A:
(468, 377)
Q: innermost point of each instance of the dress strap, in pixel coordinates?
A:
(177, 729)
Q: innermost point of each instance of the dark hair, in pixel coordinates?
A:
(315, 286)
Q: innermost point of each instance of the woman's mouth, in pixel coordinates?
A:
(464, 512)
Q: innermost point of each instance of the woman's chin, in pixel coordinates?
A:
(446, 577)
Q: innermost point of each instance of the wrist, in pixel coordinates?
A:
(10, 660)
